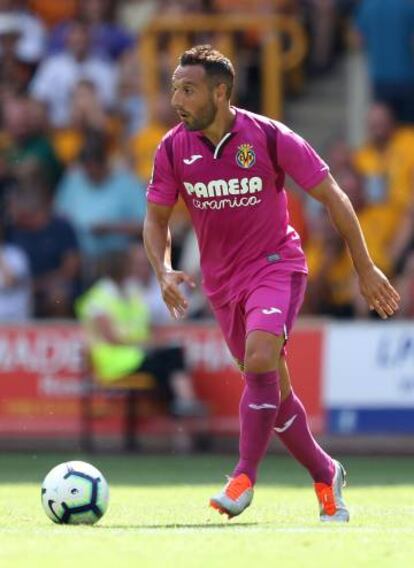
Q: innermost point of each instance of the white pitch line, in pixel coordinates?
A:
(287, 530)
(197, 529)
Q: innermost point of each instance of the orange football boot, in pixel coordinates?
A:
(331, 504)
(235, 497)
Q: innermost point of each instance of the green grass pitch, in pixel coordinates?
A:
(158, 516)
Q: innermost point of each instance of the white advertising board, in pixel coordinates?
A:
(369, 365)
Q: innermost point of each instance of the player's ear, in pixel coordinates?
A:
(221, 91)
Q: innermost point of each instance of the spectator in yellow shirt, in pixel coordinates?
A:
(386, 163)
(402, 254)
(142, 145)
(331, 287)
(87, 115)
(141, 148)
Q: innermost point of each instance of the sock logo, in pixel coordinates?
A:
(263, 406)
(286, 425)
(271, 311)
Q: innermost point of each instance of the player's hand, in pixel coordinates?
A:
(171, 294)
(380, 295)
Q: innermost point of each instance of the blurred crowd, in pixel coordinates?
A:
(378, 177)
(77, 142)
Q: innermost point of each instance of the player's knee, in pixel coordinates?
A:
(262, 352)
(261, 360)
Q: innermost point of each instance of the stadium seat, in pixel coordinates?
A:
(133, 389)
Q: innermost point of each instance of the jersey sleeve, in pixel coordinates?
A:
(299, 160)
(163, 185)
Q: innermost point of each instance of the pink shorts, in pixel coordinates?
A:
(271, 305)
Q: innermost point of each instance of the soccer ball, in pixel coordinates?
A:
(75, 493)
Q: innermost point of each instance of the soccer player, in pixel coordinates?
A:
(229, 166)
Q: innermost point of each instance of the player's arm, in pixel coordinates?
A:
(157, 237)
(157, 240)
(374, 285)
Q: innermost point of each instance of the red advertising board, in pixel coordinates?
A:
(41, 377)
(305, 359)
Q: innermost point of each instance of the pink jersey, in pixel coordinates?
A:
(236, 198)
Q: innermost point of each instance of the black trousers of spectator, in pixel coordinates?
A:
(162, 362)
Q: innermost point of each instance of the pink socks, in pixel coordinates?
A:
(292, 427)
(259, 407)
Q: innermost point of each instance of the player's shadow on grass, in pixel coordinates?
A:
(178, 526)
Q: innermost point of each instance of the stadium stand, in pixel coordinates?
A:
(104, 85)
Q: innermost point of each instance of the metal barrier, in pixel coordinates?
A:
(274, 59)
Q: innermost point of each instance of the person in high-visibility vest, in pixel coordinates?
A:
(118, 331)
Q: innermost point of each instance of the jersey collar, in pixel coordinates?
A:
(217, 150)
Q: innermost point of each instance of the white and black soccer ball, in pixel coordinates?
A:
(75, 493)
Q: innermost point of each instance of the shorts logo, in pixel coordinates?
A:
(245, 156)
(264, 406)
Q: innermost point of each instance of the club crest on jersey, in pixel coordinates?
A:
(245, 156)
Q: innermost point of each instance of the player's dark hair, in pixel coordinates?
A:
(218, 68)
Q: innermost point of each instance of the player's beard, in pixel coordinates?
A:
(204, 118)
